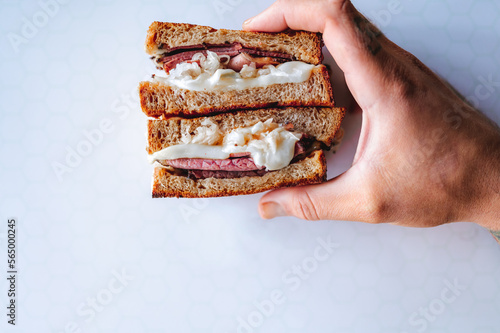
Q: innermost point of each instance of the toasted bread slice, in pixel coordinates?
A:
(311, 170)
(317, 122)
(301, 45)
(162, 101)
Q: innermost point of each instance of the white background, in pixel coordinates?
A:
(209, 265)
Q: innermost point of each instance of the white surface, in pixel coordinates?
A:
(201, 265)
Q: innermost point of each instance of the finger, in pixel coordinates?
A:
(337, 199)
(293, 14)
(272, 19)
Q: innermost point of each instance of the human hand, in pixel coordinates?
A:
(425, 157)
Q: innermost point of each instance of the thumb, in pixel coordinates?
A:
(295, 14)
(271, 20)
(337, 199)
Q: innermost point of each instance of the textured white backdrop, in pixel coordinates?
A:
(97, 254)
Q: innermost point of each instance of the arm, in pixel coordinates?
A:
(425, 157)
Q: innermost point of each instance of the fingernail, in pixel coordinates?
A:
(271, 210)
(247, 22)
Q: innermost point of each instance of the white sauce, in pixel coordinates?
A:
(210, 76)
(268, 144)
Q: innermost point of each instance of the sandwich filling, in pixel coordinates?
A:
(167, 59)
(249, 151)
(223, 69)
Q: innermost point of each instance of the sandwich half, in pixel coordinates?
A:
(208, 71)
(241, 152)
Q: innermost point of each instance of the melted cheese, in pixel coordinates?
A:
(208, 75)
(269, 145)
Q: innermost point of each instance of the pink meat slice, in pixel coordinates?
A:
(181, 54)
(227, 48)
(238, 162)
(170, 61)
(230, 164)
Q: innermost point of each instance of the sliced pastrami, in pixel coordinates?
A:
(200, 47)
(237, 165)
(236, 162)
(176, 55)
(230, 164)
(227, 47)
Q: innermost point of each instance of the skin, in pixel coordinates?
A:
(424, 158)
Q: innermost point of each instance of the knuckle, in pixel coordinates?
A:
(303, 206)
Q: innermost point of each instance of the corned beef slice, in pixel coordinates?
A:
(236, 164)
(177, 55)
(230, 164)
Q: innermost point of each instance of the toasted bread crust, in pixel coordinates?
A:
(302, 45)
(161, 101)
(311, 170)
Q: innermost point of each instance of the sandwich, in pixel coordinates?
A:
(236, 112)
(208, 71)
(242, 152)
